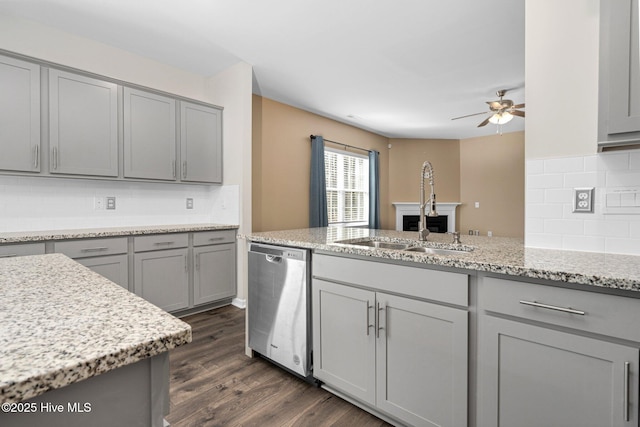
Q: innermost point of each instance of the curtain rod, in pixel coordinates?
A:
(344, 145)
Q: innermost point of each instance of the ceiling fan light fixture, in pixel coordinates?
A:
(501, 118)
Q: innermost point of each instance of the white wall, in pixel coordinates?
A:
(48, 203)
(561, 66)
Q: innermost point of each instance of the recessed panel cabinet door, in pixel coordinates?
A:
(531, 376)
(215, 273)
(422, 362)
(19, 115)
(113, 267)
(83, 128)
(201, 143)
(344, 338)
(161, 278)
(149, 135)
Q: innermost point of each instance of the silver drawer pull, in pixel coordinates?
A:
(97, 249)
(553, 307)
(215, 239)
(8, 255)
(625, 400)
(163, 243)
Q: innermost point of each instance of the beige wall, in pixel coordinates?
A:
(488, 169)
(281, 162)
(492, 173)
(405, 163)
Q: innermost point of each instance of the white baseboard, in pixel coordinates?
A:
(238, 302)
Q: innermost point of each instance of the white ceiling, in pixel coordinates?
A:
(402, 68)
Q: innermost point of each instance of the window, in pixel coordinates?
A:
(347, 176)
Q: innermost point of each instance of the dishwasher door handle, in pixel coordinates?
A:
(273, 258)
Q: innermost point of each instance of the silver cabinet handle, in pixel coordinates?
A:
(96, 249)
(185, 264)
(197, 261)
(215, 239)
(369, 307)
(378, 315)
(55, 158)
(36, 156)
(553, 307)
(174, 168)
(8, 255)
(163, 243)
(625, 401)
(184, 169)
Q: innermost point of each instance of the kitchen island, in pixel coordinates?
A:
(78, 350)
(482, 333)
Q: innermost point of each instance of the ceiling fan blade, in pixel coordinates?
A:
(517, 113)
(518, 106)
(469, 115)
(484, 122)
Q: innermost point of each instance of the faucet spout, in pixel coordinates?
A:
(426, 173)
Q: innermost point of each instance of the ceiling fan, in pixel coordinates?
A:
(502, 111)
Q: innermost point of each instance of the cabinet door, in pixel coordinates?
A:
(344, 338)
(215, 273)
(19, 115)
(422, 362)
(114, 268)
(532, 376)
(149, 135)
(83, 128)
(201, 143)
(161, 278)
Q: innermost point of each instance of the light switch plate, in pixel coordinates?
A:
(583, 199)
(189, 203)
(111, 203)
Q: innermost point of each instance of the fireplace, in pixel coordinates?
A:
(435, 224)
(412, 211)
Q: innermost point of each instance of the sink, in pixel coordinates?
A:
(436, 251)
(382, 245)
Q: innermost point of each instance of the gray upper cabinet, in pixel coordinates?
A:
(200, 143)
(83, 125)
(149, 135)
(619, 97)
(19, 115)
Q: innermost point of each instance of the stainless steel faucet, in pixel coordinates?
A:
(426, 173)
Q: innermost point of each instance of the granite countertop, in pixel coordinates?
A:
(490, 254)
(87, 233)
(62, 323)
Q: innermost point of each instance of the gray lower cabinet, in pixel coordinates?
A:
(401, 356)
(106, 256)
(200, 143)
(149, 135)
(83, 125)
(21, 249)
(19, 115)
(551, 356)
(162, 278)
(214, 275)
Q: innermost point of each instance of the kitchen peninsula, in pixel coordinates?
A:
(77, 349)
(484, 333)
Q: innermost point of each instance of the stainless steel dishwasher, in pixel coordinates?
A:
(279, 306)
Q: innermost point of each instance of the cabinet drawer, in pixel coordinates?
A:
(92, 247)
(442, 286)
(603, 314)
(21, 249)
(160, 241)
(214, 237)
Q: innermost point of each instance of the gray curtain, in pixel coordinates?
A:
(318, 188)
(374, 189)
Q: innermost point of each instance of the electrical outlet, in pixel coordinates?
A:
(111, 203)
(189, 203)
(583, 199)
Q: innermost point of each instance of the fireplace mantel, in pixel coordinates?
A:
(412, 208)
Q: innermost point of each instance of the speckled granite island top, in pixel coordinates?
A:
(61, 323)
(86, 233)
(490, 254)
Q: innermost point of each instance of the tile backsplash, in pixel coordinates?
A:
(549, 218)
(39, 203)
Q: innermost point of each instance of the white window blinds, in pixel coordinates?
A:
(347, 178)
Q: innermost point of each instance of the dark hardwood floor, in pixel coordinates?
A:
(213, 383)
